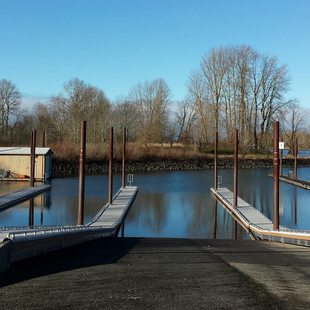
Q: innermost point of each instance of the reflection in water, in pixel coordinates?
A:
(294, 205)
(152, 205)
(214, 218)
(31, 213)
(168, 204)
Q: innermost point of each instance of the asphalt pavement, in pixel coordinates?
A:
(134, 273)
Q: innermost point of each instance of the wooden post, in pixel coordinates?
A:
(276, 175)
(295, 158)
(32, 157)
(235, 198)
(111, 167)
(215, 160)
(80, 219)
(124, 158)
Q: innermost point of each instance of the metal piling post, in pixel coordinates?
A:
(295, 158)
(32, 157)
(111, 167)
(276, 175)
(215, 159)
(80, 220)
(235, 198)
(44, 138)
(124, 157)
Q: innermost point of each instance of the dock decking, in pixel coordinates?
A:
(21, 243)
(297, 182)
(21, 195)
(257, 224)
(110, 216)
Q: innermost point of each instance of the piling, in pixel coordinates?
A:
(281, 160)
(215, 160)
(111, 167)
(31, 213)
(235, 198)
(124, 157)
(32, 157)
(215, 219)
(295, 158)
(80, 219)
(44, 138)
(276, 175)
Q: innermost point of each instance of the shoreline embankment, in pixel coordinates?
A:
(65, 168)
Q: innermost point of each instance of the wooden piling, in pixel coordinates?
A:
(80, 219)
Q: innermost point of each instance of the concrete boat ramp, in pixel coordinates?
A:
(134, 273)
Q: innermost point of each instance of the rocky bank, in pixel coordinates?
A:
(62, 168)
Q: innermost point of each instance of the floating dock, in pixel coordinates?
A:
(21, 195)
(255, 223)
(112, 215)
(21, 243)
(297, 182)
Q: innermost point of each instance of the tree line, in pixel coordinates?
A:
(234, 87)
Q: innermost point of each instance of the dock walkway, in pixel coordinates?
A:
(110, 216)
(257, 224)
(21, 195)
(20, 243)
(297, 182)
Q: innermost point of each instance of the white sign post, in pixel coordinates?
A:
(281, 145)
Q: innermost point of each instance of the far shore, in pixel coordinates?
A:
(65, 168)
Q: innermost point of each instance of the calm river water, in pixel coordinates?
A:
(168, 204)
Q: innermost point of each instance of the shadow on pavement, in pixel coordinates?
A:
(97, 252)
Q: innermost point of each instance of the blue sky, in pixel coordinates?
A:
(113, 44)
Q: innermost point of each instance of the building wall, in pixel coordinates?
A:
(20, 164)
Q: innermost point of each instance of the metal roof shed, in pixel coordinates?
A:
(17, 161)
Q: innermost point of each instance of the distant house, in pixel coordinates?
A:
(16, 160)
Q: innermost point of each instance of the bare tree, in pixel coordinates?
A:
(125, 114)
(80, 101)
(214, 68)
(10, 100)
(151, 100)
(198, 98)
(273, 85)
(185, 119)
(241, 89)
(292, 122)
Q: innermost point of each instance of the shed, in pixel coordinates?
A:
(17, 161)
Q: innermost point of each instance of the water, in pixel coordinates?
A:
(168, 204)
(301, 153)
